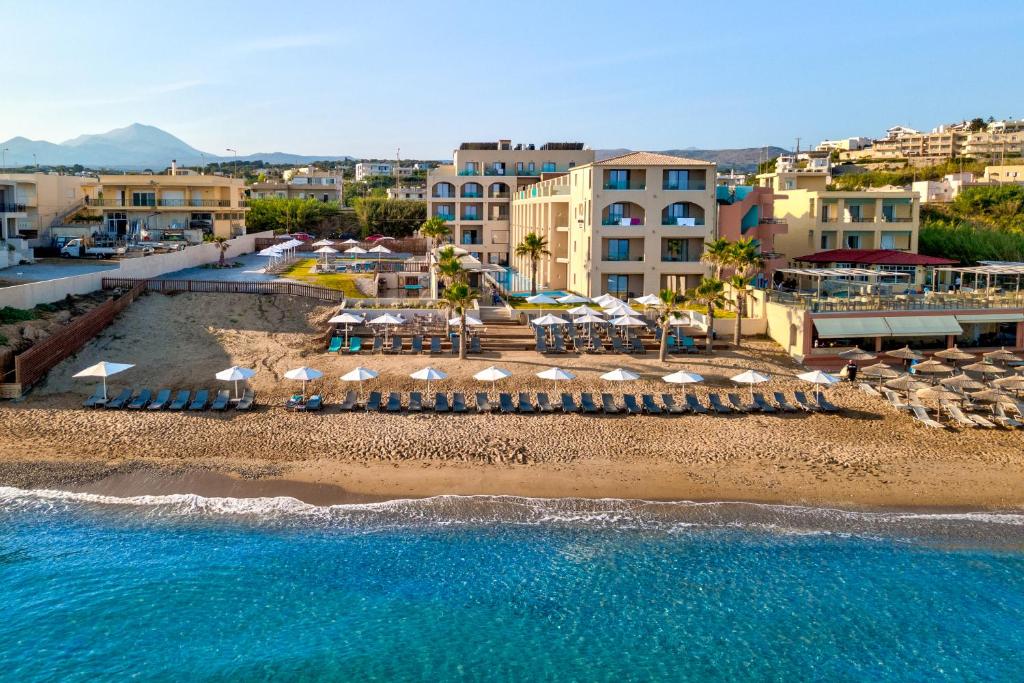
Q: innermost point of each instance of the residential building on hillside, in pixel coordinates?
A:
(730, 178)
(31, 203)
(408, 193)
(474, 193)
(302, 183)
(625, 226)
(366, 169)
(999, 139)
(844, 144)
(1009, 173)
(942, 190)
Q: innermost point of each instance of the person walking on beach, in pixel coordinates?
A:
(851, 371)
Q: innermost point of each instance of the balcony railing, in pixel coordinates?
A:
(669, 258)
(471, 217)
(12, 208)
(907, 302)
(685, 186)
(621, 220)
(472, 195)
(444, 216)
(174, 203)
(861, 219)
(443, 195)
(625, 186)
(472, 241)
(469, 171)
(491, 170)
(620, 259)
(673, 221)
(499, 195)
(897, 219)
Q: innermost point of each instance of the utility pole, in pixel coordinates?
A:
(234, 173)
(798, 147)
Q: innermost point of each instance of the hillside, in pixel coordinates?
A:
(981, 224)
(744, 159)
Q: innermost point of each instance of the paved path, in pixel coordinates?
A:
(251, 270)
(50, 269)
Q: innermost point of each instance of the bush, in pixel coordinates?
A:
(969, 244)
(10, 315)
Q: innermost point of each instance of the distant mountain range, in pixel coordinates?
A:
(134, 147)
(744, 159)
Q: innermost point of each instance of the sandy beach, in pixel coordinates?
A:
(868, 456)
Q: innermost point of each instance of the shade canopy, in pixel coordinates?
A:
(470, 321)
(556, 374)
(620, 310)
(620, 375)
(628, 321)
(749, 377)
(906, 382)
(1013, 383)
(932, 367)
(323, 243)
(818, 377)
(581, 310)
(360, 374)
(606, 300)
(938, 393)
(543, 299)
(647, 300)
(235, 373)
(992, 396)
(683, 377)
(492, 374)
(350, 241)
(550, 320)
(954, 353)
(984, 368)
(961, 382)
(347, 319)
(573, 299)
(303, 373)
(380, 249)
(588, 317)
(387, 319)
(355, 250)
(1001, 355)
(856, 353)
(906, 353)
(429, 374)
(879, 370)
(326, 250)
(103, 369)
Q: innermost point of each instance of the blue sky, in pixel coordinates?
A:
(364, 78)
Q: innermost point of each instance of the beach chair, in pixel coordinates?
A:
(921, 416)
(894, 400)
(617, 345)
(981, 421)
(671, 407)
(689, 346)
(378, 345)
(609, 406)
(441, 403)
(459, 403)
(868, 389)
(335, 346)
(245, 403)
(803, 403)
(221, 401)
(958, 416)
(505, 403)
(396, 344)
(559, 343)
(474, 345)
(435, 344)
(294, 402)
(96, 399)
(314, 403)
(417, 343)
(455, 341)
(140, 401)
(638, 347)
(587, 404)
(825, 405)
(163, 398)
(650, 407)
(394, 403)
(349, 404)
(200, 400)
(716, 405)
(181, 400)
(525, 405)
(763, 405)
(120, 400)
(373, 402)
(483, 403)
(415, 402)
(544, 403)
(738, 405)
(541, 345)
(355, 344)
(569, 404)
(597, 345)
(694, 404)
(632, 407)
(783, 404)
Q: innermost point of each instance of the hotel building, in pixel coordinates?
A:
(30, 203)
(303, 183)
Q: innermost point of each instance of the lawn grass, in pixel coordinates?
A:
(344, 282)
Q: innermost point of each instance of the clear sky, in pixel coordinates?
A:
(363, 78)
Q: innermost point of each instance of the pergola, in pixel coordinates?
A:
(986, 270)
(846, 275)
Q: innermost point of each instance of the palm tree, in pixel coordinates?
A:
(533, 247)
(746, 258)
(433, 228)
(711, 294)
(459, 297)
(740, 285)
(671, 303)
(222, 244)
(450, 271)
(718, 254)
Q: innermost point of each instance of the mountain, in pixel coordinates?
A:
(744, 159)
(134, 147)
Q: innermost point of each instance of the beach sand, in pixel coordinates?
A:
(868, 456)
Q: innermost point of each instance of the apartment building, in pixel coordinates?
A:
(302, 183)
(844, 144)
(367, 169)
(474, 193)
(1008, 173)
(418, 194)
(822, 219)
(155, 206)
(625, 226)
(30, 203)
(1000, 138)
(746, 212)
(945, 189)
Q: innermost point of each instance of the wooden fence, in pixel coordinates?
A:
(227, 287)
(33, 364)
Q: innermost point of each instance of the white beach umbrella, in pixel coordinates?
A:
(541, 299)
(355, 250)
(750, 377)
(104, 369)
(620, 375)
(818, 379)
(305, 374)
(235, 374)
(619, 310)
(323, 243)
(684, 378)
(350, 241)
(581, 310)
(347, 319)
(556, 375)
(380, 250)
(492, 375)
(470, 321)
(429, 374)
(588, 317)
(360, 375)
(647, 300)
(549, 319)
(607, 300)
(387, 319)
(628, 321)
(326, 250)
(573, 299)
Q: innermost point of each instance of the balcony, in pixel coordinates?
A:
(444, 216)
(469, 172)
(685, 187)
(471, 241)
(496, 171)
(683, 221)
(623, 221)
(12, 208)
(473, 194)
(471, 217)
(619, 258)
(621, 185)
(167, 203)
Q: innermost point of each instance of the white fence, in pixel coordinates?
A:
(155, 265)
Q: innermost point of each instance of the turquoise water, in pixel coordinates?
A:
(181, 587)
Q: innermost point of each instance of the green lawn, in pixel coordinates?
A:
(345, 282)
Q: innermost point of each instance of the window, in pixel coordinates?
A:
(143, 199)
(548, 167)
(825, 211)
(616, 211)
(824, 241)
(618, 180)
(519, 168)
(676, 250)
(618, 285)
(677, 180)
(531, 168)
(469, 212)
(853, 241)
(855, 214)
(618, 250)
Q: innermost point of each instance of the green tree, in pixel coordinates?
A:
(671, 303)
(710, 294)
(288, 215)
(459, 297)
(435, 228)
(718, 255)
(222, 245)
(746, 259)
(394, 217)
(533, 247)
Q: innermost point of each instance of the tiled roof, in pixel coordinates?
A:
(884, 257)
(651, 159)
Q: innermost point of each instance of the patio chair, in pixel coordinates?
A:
(349, 402)
(738, 405)
(617, 345)
(1000, 416)
(783, 404)
(825, 405)
(200, 400)
(394, 402)
(441, 403)
(505, 403)
(541, 346)
(355, 344)
(525, 405)
(396, 344)
(596, 344)
(763, 405)
(459, 403)
(163, 398)
(221, 400)
(455, 341)
(650, 407)
(335, 346)
(694, 404)
(569, 404)
(483, 403)
(140, 401)
(689, 345)
(417, 343)
(378, 345)
(671, 406)
(544, 403)
(314, 403)
(294, 402)
(96, 399)
(120, 400)
(716, 405)
(894, 400)
(415, 402)
(632, 407)
(609, 406)
(245, 403)
(559, 343)
(474, 345)
(638, 347)
(181, 400)
(435, 344)
(803, 403)
(868, 389)
(373, 402)
(981, 421)
(587, 403)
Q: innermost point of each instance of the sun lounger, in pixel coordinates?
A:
(140, 401)
(245, 403)
(335, 346)
(373, 402)
(441, 403)
(525, 405)
(394, 404)
(569, 404)
(609, 406)
(958, 416)
(349, 403)
(638, 347)
(181, 400)
(587, 404)
(598, 345)
(96, 399)
(459, 403)
(689, 345)
(894, 400)
(474, 345)
(559, 343)
(222, 400)
(803, 403)
(999, 415)
(200, 400)
(378, 345)
(617, 345)
(483, 403)
(784, 404)
(541, 346)
(505, 403)
(415, 402)
(922, 416)
(544, 403)
(454, 339)
(435, 345)
(417, 343)
(716, 405)
(314, 403)
(763, 405)
(355, 344)
(650, 407)
(694, 404)
(738, 405)
(671, 407)
(163, 398)
(632, 407)
(294, 402)
(868, 389)
(825, 405)
(981, 421)
(120, 400)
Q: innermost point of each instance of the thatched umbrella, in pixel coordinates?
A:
(906, 383)
(906, 353)
(1012, 383)
(856, 353)
(1001, 355)
(992, 396)
(932, 367)
(954, 354)
(879, 370)
(938, 395)
(984, 368)
(961, 382)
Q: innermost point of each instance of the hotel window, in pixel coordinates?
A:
(469, 213)
(531, 168)
(853, 241)
(519, 168)
(618, 250)
(618, 180)
(677, 180)
(618, 285)
(143, 199)
(549, 167)
(615, 212)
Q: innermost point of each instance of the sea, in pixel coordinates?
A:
(181, 587)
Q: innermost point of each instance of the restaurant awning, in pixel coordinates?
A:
(923, 325)
(991, 318)
(842, 328)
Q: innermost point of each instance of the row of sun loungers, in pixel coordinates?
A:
(957, 415)
(166, 399)
(396, 344)
(525, 403)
